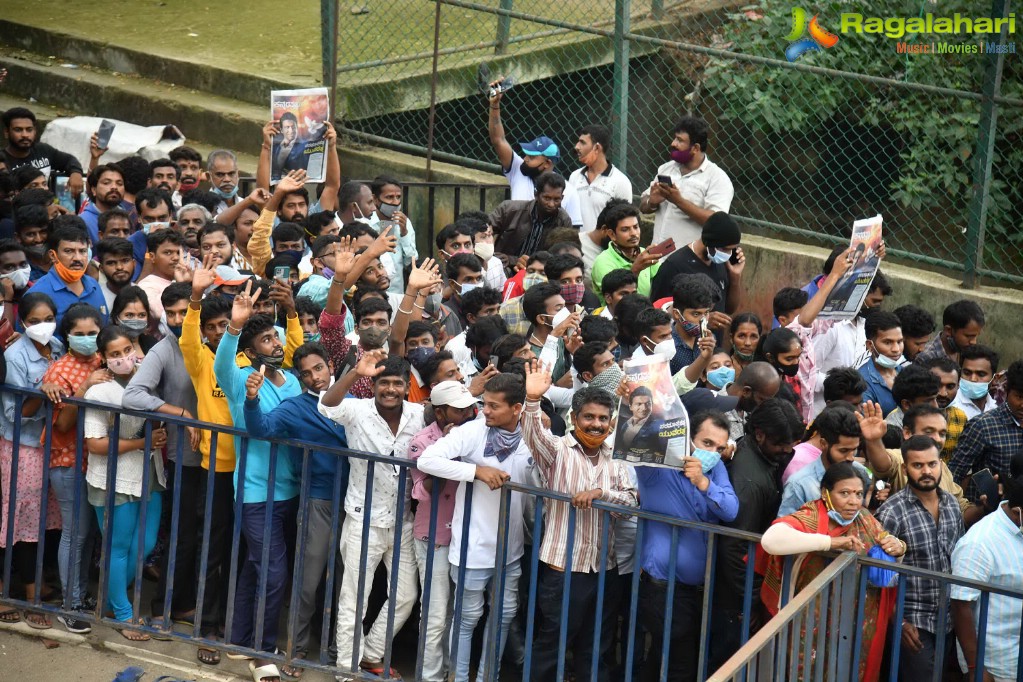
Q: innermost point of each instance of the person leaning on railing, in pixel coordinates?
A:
(838, 521)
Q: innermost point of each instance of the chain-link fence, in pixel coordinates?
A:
(924, 128)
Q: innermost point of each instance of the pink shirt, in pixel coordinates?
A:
(807, 375)
(805, 454)
(446, 507)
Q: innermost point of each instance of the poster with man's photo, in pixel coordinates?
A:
(653, 427)
(300, 144)
(847, 297)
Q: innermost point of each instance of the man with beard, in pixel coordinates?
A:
(106, 190)
(947, 372)
(164, 174)
(66, 283)
(189, 163)
(23, 150)
(31, 228)
(521, 227)
(596, 183)
(772, 430)
(222, 167)
(928, 521)
(117, 264)
(578, 464)
(257, 338)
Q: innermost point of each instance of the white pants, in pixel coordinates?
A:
(435, 649)
(380, 547)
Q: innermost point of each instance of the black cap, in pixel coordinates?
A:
(720, 231)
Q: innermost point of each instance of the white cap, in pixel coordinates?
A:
(453, 393)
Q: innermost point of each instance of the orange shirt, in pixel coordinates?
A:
(69, 372)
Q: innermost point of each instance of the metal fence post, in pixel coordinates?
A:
(980, 199)
(503, 27)
(620, 89)
(328, 42)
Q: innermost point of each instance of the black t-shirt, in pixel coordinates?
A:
(45, 158)
(685, 262)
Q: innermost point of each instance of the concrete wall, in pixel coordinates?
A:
(772, 264)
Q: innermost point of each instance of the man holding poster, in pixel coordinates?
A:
(866, 252)
(300, 143)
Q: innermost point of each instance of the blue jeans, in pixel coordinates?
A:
(125, 551)
(66, 483)
(473, 589)
(252, 584)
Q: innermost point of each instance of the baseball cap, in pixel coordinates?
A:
(541, 146)
(704, 400)
(228, 275)
(452, 393)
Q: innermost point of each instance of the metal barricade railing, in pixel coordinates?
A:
(834, 598)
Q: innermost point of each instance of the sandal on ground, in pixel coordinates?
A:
(293, 671)
(378, 670)
(133, 635)
(38, 621)
(264, 673)
(208, 656)
(158, 623)
(238, 657)
(10, 616)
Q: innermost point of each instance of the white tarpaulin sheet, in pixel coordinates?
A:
(72, 135)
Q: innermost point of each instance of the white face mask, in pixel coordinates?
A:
(665, 348)
(484, 251)
(41, 333)
(19, 277)
(560, 317)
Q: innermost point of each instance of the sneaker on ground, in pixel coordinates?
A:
(78, 627)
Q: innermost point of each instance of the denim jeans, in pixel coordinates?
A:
(65, 483)
(473, 589)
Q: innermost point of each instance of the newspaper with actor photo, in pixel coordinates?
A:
(847, 297)
(653, 427)
(301, 117)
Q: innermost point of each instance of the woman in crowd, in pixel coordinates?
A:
(73, 375)
(782, 349)
(28, 358)
(131, 312)
(745, 333)
(837, 521)
(720, 372)
(131, 489)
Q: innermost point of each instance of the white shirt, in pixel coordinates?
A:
(522, 189)
(970, 407)
(708, 187)
(455, 457)
(844, 345)
(368, 431)
(593, 196)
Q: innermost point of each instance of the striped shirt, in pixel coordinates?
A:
(929, 545)
(992, 551)
(565, 468)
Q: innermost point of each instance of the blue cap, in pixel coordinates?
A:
(541, 146)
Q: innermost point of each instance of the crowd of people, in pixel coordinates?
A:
(310, 313)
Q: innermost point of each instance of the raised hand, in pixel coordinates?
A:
(344, 258)
(538, 379)
(204, 276)
(330, 135)
(498, 93)
(574, 341)
(183, 273)
(292, 182)
(706, 344)
(95, 151)
(259, 196)
(253, 384)
(270, 130)
(282, 295)
(244, 301)
(387, 242)
(480, 380)
(424, 276)
(872, 423)
(367, 365)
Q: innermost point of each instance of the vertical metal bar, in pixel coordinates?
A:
(984, 154)
(108, 513)
(798, 641)
(941, 634)
(207, 524)
(786, 580)
(463, 552)
(978, 674)
(492, 670)
(503, 27)
(43, 507)
(566, 589)
(807, 635)
(12, 499)
(74, 567)
(301, 543)
(605, 539)
(262, 584)
(458, 200)
(708, 596)
(239, 497)
(483, 198)
(620, 87)
(669, 604)
(821, 634)
(140, 558)
(433, 101)
(363, 548)
(900, 612)
(431, 546)
(534, 579)
(329, 47)
(637, 566)
(396, 558)
(847, 621)
(861, 602)
(431, 207)
(747, 593)
(172, 541)
(328, 591)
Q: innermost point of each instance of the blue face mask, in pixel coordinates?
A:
(467, 287)
(175, 329)
(311, 338)
(841, 520)
(719, 256)
(417, 357)
(708, 458)
(721, 377)
(83, 345)
(974, 390)
(225, 195)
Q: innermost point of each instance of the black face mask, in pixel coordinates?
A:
(531, 172)
(788, 370)
(864, 311)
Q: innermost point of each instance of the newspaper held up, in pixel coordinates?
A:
(302, 117)
(847, 297)
(653, 426)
